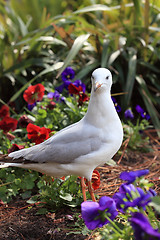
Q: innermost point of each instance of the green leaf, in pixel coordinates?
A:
(94, 7)
(17, 181)
(31, 201)
(137, 12)
(111, 162)
(86, 70)
(105, 53)
(66, 196)
(149, 66)
(42, 211)
(26, 194)
(45, 71)
(149, 102)
(42, 113)
(23, 27)
(156, 29)
(113, 57)
(52, 40)
(132, 65)
(100, 7)
(77, 45)
(156, 203)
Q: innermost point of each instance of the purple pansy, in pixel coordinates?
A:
(130, 196)
(31, 106)
(128, 114)
(132, 175)
(94, 214)
(63, 85)
(56, 95)
(142, 112)
(142, 228)
(118, 108)
(68, 74)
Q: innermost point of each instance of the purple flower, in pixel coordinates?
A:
(152, 192)
(60, 88)
(94, 214)
(142, 112)
(142, 228)
(55, 95)
(130, 196)
(31, 106)
(132, 175)
(128, 114)
(68, 74)
(118, 108)
(63, 85)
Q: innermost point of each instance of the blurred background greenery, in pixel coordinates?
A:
(40, 38)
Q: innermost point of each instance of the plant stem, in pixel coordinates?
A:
(116, 228)
(5, 184)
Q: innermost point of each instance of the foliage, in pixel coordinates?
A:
(15, 181)
(135, 134)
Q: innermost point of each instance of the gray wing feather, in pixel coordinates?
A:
(64, 147)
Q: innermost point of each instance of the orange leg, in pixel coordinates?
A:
(90, 189)
(83, 185)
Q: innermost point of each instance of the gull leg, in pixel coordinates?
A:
(83, 185)
(90, 189)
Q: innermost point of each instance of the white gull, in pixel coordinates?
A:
(79, 148)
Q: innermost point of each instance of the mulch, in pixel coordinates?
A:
(19, 220)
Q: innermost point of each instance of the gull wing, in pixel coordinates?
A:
(64, 147)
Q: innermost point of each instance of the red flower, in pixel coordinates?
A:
(83, 98)
(37, 134)
(51, 105)
(74, 90)
(78, 91)
(15, 147)
(63, 178)
(24, 121)
(95, 180)
(8, 123)
(34, 93)
(4, 111)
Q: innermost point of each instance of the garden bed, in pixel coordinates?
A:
(20, 221)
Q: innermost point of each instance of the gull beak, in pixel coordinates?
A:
(97, 85)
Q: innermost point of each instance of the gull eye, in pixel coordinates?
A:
(107, 77)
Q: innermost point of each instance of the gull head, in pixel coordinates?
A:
(101, 79)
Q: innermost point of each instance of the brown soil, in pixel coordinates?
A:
(19, 220)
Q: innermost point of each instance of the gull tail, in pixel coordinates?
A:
(5, 161)
(5, 165)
